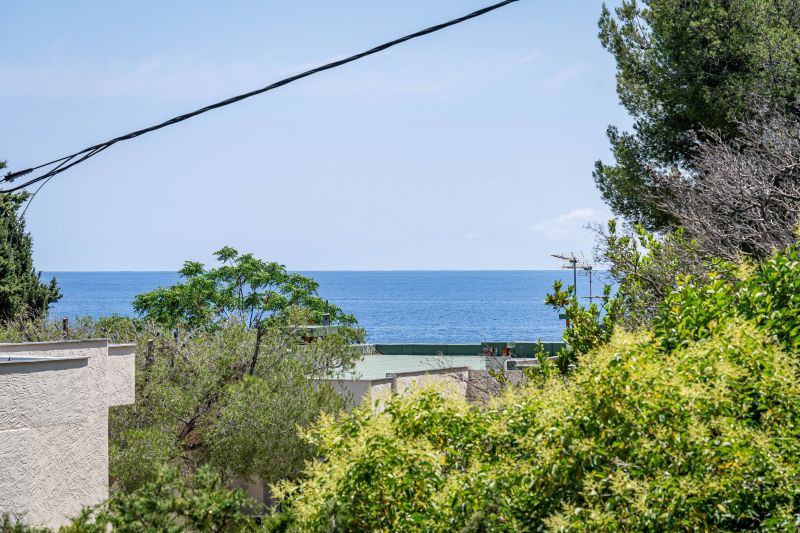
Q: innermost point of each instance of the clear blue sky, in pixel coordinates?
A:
(469, 149)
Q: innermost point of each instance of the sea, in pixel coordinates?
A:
(393, 306)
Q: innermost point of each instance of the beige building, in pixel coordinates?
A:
(54, 400)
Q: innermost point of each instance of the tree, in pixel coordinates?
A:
(744, 196)
(21, 290)
(645, 268)
(689, 67)
(589, 327)
(243, 288)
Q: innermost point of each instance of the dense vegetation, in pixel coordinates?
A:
(225, 390)
(686, 68)
(171, 502)
(692, 426)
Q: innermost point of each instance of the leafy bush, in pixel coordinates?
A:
(231, 398)
(767, 293)
(645, 270)
(702, 437)
(170, 503)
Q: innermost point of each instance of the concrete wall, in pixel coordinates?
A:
(378, 391)
(54, 400)
(450, 381)
(121, 375)
(482, 386)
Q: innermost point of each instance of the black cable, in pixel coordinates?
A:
(93, 150)
(64, 160)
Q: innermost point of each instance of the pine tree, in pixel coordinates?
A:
(21, 290)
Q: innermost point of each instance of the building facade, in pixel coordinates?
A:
(54, 401)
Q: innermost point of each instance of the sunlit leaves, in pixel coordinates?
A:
(638, 439)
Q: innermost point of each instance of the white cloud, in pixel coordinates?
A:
(567, 224)
(558, 80)
(531, 56)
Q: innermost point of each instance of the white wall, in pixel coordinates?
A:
(54, 426)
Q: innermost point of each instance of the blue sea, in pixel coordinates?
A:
(393, 306)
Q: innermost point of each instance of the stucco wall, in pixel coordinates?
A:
(352, 389)
(483, 386)
(450, 381)
(120, 378)
(54, 429)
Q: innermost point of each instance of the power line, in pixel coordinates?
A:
(67, 162)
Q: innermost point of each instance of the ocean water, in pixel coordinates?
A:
(394, 307)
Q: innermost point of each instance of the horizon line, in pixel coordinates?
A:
(329, 270)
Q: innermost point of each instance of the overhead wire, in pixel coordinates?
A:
(67, 162)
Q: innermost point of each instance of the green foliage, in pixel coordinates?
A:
(243, 288)
(170, 503)
(692, 426)
(21, 290)
(11, 524)
(683, 67)
(198, 402)
(645, 270)
(767, 293)
(590, 326)
(230, 397)
(704, 437)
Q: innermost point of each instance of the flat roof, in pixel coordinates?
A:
(377, 366)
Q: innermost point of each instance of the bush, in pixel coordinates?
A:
(701, 437)
(170, 503)
(767, 293)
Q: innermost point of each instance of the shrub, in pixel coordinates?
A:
(701, 437)
(767, 293)
(170, 503)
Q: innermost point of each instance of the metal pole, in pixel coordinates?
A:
(575, 276)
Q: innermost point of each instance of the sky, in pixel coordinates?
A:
(469, 149)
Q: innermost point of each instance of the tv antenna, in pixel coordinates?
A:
(570, 262)
(576, 263)
(586, 269)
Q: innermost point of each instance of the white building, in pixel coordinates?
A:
(54, 400)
